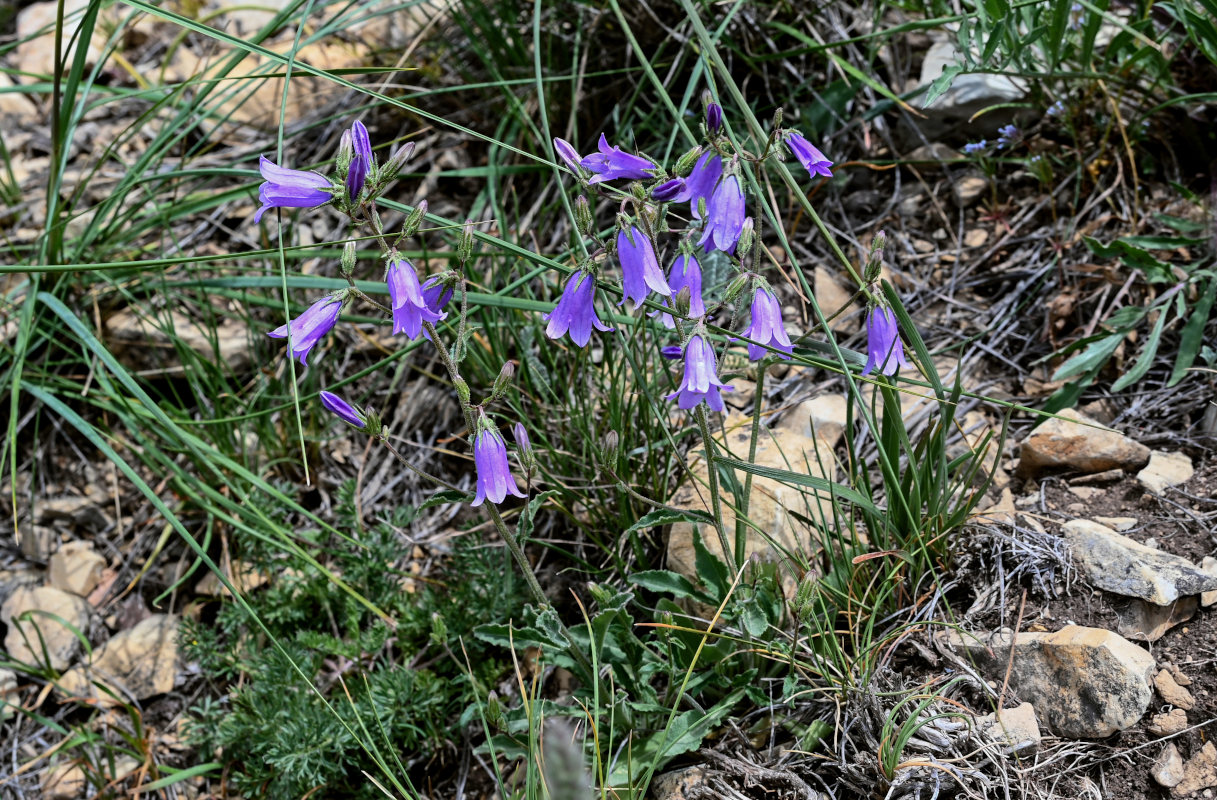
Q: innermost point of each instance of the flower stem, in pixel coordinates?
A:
(712, 473)
(741, 532)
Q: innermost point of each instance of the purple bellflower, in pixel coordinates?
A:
(714, 118)
(361, 162)
(612, 163)
(494, 478)
(569, 155)
(307, 329)
(685, 272)
(1008, 134)
(640, 272)
(671, 191)
(884, 350)
(724, 216)
(767, 326)
(576, 311)
(702, 179)
(671, 352)
(700, 381)
(435, 294)
(808, 155)
(343, 410)
(290, 188)
(410, 308)
(521, 436)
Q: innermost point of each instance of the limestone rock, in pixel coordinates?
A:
(1080, 443)
(772, 507)
(146, 343)
(1172, 692)
(1019, 729)
(76, 568)
(1165, 470)
(139, 662)
(1120, 524)
(42, 627)
(822, 417)
(1167, 724)
(1209, 565)
(1085, 683)
(683, 784)
(1120, 565)
(833, 297)
(969, 189)
(244, 577)
(1168, 769)
(36, 34)
(969, 92)
(8, 693)
(17, 111)
(1147, 622)
(66, 781)
(1200, 772)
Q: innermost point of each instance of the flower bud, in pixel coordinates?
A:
(439, 629)
(503, 382)
(636, 189)
(684, 164)
(398, 160)
(777, 119)
(345, 150)
(804, 596)
(494, 712)
(668, 190)
(874, 264)
(414, 219)
(607, 451)
(464, 250)
(714, 118)
(746, 236)
(734, 288)
(462, 390)
(348, 258)
(682, 301)
(583, 215)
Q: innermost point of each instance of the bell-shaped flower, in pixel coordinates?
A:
(671, 191)
(410, 308)
(685, 273)
(767, 327)
(714, 118)
(576, 311)
(436, 293)
(884, 350)
(343, 410)
(306, 330)
(700, 383)
(494, 479)
(361, 142)
(808, 155)
(361, 161)
(640, 272)
(613, 163)
(724, 216)
(290, 188)
(569, 155)
(702, 179)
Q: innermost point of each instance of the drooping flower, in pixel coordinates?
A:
(884, 350)
(436, 295)
(724, 216)
(343, 410)
(671, 191)
(494, 479)
(685, 272)
(702, 179)
(700, 383)
(1077, 16)
(307, 329)
(290, 188)
(567, 152)
(576, 311)
(808, 155)
(410, 308)
(612, 163)
(671, 352)
(767, 327)
(640, 273)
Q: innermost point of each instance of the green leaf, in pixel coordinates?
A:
(530, 512)
(710, 567)
(1193, 333)
(941, 84)
(445, 497)
(666, 516)
(666, 582)
(1146, 358)
(1156, 271)
(753, 618)
(1093, 357)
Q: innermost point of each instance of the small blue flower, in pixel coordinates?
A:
(1008, 134)
(640, 272)
(671, 191)
(884, 349)
(702, 180)
(975, 147)
(808, 155)
(724, 216)
(494, 479)
(685, 272)
(410, 308)
(671, 352)
(343, 410)
(306, 330)
(767, 327)
(575, 312)
(290, 188)
(1077, 16)
(1056, 109)
(700, 382)
(612, 163)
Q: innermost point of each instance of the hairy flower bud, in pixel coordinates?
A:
(874, 264)
(348, 258)
(684, 164)
(439, 629)
(583, 216)
(464, 250)
(345, 151)
(746, 237)
(414, 219)
(777, 119)
(734, 288)
(462, 390)
(396, 161)
(503, 382)
(683, 301)
(608, 449)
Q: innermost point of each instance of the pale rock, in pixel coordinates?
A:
(36, 36)
(1167, 724)
(1209, 565)
(124, 766)
(1125, 567)
(822, 417)
(923, 247)
(1002, 512)
(79, 511)
(244, 577)
(66, 781)
(144, 342)
(76, 567)
(1085, 683)
(17, 110)
(1165, 470)
(975, 237)
(1199, 772)
(136, 663)
(683, 784)
(1019, 729)
(968, 189)
(1168, 768)
(970, 92)
(833, 297)
(1120, 524)
(931, 156)
(1079, 443)
(1106, 476)
(1178, 675)
(1146, 622)
(36, 542)
(773, 505)
(1172, 692)
(1084, 492)
(8, 693)
(42, 628)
